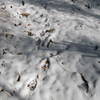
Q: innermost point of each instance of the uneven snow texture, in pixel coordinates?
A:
(28, 73)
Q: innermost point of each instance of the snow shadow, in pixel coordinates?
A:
(30, 47)
(27, 46)
(92, 50)
(63, 6)
(94, 3)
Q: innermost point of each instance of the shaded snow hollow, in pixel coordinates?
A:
(28, 73)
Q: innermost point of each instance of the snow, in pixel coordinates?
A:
(28, 72)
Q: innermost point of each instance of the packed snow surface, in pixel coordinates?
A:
(30, 73)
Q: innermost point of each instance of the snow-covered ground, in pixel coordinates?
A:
(29, 73)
